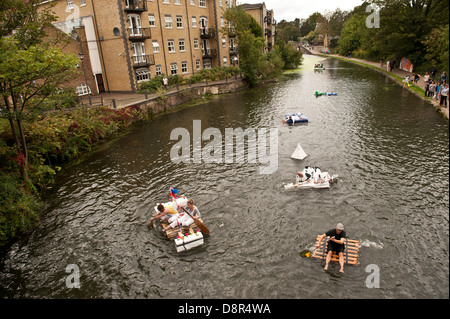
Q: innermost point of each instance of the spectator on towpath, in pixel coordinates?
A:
(444, 95)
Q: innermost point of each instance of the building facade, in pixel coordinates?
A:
(127, 42)
(265, 19)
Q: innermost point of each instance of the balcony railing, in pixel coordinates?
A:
(233, 50)
(143, 60)
(135, 6)
(139, 34)
(231, 32)
(208, 53)
(206, 33)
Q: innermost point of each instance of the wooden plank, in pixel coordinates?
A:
(350, 253)
(173, 233)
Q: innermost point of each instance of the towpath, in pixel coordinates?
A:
(383, 69)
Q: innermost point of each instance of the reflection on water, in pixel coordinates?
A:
(390, 149)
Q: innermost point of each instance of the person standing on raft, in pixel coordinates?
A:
(335, 244)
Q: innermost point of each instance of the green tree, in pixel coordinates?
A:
(289, 54)
(31, 67)
(254, 65)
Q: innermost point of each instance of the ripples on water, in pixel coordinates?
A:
(389, 148)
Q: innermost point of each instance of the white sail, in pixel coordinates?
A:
(299, 153)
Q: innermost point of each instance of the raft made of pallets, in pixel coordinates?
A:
(351, 251)
(173, 232)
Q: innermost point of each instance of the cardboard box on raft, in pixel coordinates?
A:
(351, 251)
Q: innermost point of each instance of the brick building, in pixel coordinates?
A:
(126, 42)
(265, 19)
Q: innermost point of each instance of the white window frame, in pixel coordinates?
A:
(82, 3)
(158, 70)
(171, 45)
(155, 46)
(184, 67)
(179, 20)
(177, 2)
(196, 45)
(142, 75)
(225, 61)
(151, 20)
(198, 64)
(192, 2)
(194, 22)
(224, 42)
(202, 3)
(173, 68)
(83, 89)
(168, 22)
(70, 5)
(182, 45)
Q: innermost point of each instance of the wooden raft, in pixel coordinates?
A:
(173, 232)
(351, 251)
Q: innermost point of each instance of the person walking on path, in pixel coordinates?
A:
(444, 77)
(336, 244)
(165, 82)
(444, 95)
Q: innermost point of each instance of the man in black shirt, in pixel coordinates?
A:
(336, 244)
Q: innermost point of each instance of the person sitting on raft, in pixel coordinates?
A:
(336, 244)
(185, 219)
(303, 177)
(165, 213)
(290, 121)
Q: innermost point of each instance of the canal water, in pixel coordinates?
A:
(389, 148)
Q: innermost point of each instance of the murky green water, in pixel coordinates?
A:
(389, 148)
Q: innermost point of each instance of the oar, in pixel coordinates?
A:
(199, 224)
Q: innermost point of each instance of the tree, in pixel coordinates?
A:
(250, 42)
(31, 67)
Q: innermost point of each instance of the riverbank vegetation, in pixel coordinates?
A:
(417, 30)
(255, 64)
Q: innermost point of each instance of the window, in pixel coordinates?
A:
(171, 45)
(168, 20)
(224, 42)
(181, 45)
(142, 75)
(166, 1)
(158, 70)
(83, 89)
(220, 2)
(192, 2)
(138, 52)
(222, 22)
(184, 67)
(155, 46)
(202, 3)
(151, 20)
(194, 22)
(225, 61)
(69, 4)
(197, 64)
(173, 68)
(134, 22)
(179, 22)
(178, 2)
(207, 64)
(82, 3)
(196, 44)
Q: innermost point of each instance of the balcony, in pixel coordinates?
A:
(135, 6)
(231, 32)
(233, 50)
(141, 61)
(208, 53)
(206, 33)
(139, 34)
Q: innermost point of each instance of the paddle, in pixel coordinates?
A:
(199, 224)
